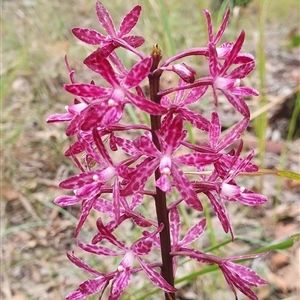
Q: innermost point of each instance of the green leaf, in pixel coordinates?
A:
(296, 236)
(290, 175)
(295, 40)
(279, 246)
(25, 226)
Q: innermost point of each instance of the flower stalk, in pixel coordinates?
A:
(160, 196)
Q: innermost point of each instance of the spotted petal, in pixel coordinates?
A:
(86, 90)
(101, 65)
(233, 135)
(174, 134)
(66, 200)
(87, 205)
(138, 73)
(198, 159)
(215, 130)
(155, 277)
(234, 52)
(140, 176)
(195, 119)
(130, 20)
(88, 287)
(134, 40)
(174, 225)
(105, 19)
(146, 105)
(221, 213)
(89, 36)
(81, 264)
(252, 199)
(119, 283)
(243, 70)
(99, 250)
(238, 102)
(185, 188)
(193, 233)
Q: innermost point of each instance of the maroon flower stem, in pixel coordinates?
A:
(160, 196)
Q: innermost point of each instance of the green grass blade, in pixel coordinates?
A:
(279, 246)
(289, 175)
(24, 226)
(283, 157)
(295, 115)
(132, 114)
(167, 27)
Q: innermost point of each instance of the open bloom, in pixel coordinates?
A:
(237, 276)
(228, 82)
(107, 104)
(89, 185)
(121, 277)
(224, 49)
(220, 186)
(168, 164)
(221, 60)
(179, 106)
(114, 38)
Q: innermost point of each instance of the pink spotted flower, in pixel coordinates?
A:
(179, 106)
(220, 186)
(168, 164)
(107, 104)
(115, 38)
(227, 66)
(89, 185)
(124, 270)
(237, 276)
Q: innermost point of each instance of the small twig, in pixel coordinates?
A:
(275, 101)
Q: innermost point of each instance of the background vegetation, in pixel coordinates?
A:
(35, 37)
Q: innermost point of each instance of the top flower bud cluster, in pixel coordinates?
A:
(116, 187)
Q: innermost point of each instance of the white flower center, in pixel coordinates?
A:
(96, 177)
(223, 83)
(231, 190)
(165, 165)
(120, 268)
(111, 102)
(105, 174)
(237, 82)
(127, 260)
(166, 171)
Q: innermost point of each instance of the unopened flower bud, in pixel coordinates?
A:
(184, 71)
